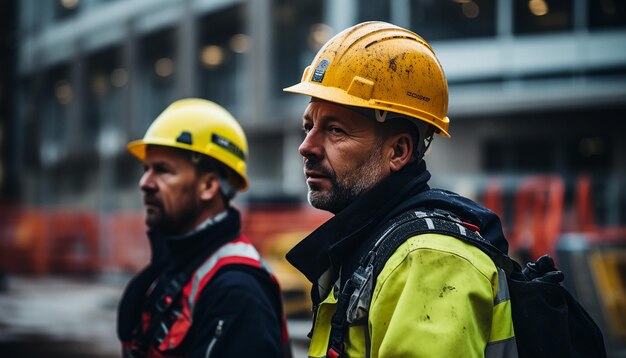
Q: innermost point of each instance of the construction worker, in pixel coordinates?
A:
(205, 292)
(378, 95)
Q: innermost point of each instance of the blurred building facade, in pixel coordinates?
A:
(536, 86)
(8, 56)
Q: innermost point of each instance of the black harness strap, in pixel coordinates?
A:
(392, 235)
(162, 306)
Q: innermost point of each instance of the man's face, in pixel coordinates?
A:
(170, 185)
(343, 156)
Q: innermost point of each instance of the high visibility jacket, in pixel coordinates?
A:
(435, 297)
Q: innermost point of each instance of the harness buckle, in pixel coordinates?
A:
(335, 352)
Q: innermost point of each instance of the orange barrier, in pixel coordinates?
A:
(538, 215)
(73, 242)
(492, 198)
(44, 241)
(538, 206)
(584, 219)
(23, 247)
(261, 222)
(56, 240)
(129, 248)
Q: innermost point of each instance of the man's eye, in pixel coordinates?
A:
(160, 169)
(336, 130)
(306, 128)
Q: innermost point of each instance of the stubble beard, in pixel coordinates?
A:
(345, 189)
(159, 220)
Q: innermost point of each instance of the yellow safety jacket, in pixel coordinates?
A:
(436, 296)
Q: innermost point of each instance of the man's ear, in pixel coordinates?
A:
(209, 186)
(400, 150)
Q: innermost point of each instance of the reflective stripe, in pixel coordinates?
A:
(504, 348)
(239, 249)
(503, 288)
(462, 229)
(502, 324)
(430, 224)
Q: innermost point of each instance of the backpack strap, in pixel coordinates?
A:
(418, 222)
(354, 299)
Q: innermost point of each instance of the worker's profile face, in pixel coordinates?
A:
(170, 191)
(342, 155)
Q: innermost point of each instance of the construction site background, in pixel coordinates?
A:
(537, 93)
(99, 252)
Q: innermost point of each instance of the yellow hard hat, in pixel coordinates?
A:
(380, 66)
(201, 126)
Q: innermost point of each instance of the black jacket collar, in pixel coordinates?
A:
(341, 237)
(182, 249)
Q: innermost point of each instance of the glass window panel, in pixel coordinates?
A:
(105, 81)
(518, 155)
(66, 8)
(156, 76)
(452, 19)
(30, 140)
(535, 16)
(607, 14)
(589, 153)
(298, 34)
(58, 94)
(222, 48)
(371, 10)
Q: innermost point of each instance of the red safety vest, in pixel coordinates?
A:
(177, 320)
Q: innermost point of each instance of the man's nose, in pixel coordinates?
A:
(311, 146)
(146, 183)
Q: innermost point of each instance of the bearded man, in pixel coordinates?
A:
(206, 292)
(378, 96)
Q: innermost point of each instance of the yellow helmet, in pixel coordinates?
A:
(380, 66)
(201, 126)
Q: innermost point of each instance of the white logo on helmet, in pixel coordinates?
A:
(320, 70)
(381, 116)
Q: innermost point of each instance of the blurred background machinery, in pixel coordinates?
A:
(537, 108)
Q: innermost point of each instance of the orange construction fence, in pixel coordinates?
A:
(41, 241)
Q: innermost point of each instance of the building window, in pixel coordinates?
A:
(518, 155)
(156, 72)
(452, 19)
(536, 16)
(105, 79)
(374, 10)
(589, 154)
(604, 14)
(222, 48)
(59, 92)
(66, 8)
(576, 154)
(298, 34)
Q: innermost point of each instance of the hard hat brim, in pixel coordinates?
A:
(138, 149)
(339, 96)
